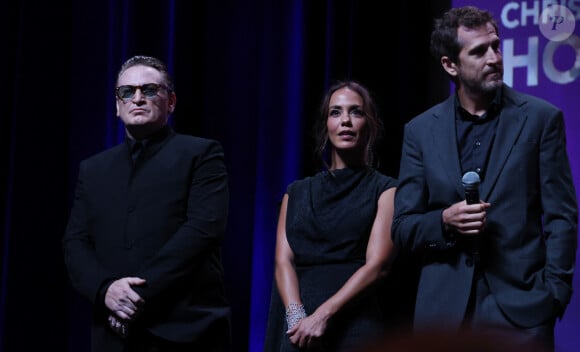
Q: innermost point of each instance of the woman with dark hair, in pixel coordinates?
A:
(333, 238)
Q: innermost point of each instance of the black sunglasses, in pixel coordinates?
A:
(148, 90)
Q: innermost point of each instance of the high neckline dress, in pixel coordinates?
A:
(328, 223)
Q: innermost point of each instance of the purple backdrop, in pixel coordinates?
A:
(547, 68)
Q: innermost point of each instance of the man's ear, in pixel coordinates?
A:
(449, 66)
(172, 101)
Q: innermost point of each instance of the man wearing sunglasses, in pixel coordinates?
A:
(144, 235)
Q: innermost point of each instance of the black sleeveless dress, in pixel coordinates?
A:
(328, 224)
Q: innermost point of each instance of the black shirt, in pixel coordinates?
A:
(475, 135)
(136, 147)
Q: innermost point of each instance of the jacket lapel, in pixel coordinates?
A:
(510, 124)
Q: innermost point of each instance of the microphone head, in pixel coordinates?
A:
(470, 180)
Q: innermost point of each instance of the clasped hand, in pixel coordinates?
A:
(124, 303)
(307, 333)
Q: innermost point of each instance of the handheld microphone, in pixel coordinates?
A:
(471, 182)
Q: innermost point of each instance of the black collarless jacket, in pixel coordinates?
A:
(162, 219)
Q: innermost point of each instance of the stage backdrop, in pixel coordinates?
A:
(541, 54)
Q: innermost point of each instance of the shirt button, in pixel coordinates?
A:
(478, 170)
(477, 144)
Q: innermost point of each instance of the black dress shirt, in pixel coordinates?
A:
(475, 135)
(137, 147)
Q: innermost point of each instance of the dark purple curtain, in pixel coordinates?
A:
(249, 74)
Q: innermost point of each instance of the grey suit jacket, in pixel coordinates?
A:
(531, 236)
(162, 220)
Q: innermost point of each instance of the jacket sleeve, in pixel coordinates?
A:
(560, 212)
(86, 273)
(417, 225)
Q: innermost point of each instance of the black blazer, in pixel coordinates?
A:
(162, 220)
(531, 234)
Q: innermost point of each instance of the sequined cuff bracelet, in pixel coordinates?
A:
(294, 313)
